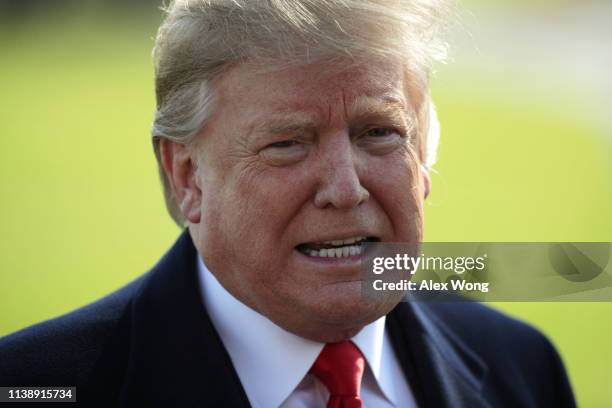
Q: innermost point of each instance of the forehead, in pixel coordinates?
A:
(314, 87)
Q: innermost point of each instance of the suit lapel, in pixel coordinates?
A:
(176, 356)
(441, 370)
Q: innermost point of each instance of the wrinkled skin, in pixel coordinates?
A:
(302, 155)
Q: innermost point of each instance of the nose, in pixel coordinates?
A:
(339, 176)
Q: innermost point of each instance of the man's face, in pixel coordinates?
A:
(293, 165)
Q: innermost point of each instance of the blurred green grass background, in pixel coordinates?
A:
(82, 211)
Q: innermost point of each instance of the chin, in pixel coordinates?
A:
(332, 313)
(353, 313)
(335, 321)
(339, 324)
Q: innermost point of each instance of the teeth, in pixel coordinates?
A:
(336, 252)
(344, 248)
(347, 241)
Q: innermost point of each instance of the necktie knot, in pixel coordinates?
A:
(340, 368)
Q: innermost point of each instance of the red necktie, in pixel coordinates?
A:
(340, 367)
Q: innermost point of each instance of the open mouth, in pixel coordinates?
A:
(337, 248)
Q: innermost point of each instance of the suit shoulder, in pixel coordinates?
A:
(487, 329)
(521, 363)
(64, 349)
(466, 316)
(514, 351)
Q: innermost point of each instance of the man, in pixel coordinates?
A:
(289, 133)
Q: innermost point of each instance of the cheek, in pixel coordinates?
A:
(258, 206)
(398, 188)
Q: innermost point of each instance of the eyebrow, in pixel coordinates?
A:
(389, 107)
(283, 121)
(365, 108)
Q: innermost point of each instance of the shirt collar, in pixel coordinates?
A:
(375, 345)
(264, 353)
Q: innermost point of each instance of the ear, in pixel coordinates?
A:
(426, 181)
(180, 171)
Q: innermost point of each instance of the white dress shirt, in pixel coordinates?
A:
(273, 364)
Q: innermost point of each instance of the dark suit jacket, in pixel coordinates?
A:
(151, 344)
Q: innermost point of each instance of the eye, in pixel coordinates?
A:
(381, 140)
(283, 144)
(284, 152)
(381, 132)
